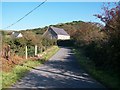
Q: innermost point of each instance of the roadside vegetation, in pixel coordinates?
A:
(13, 49)
(13, 57)
(20, 70)
(98, 49)
(108, 79)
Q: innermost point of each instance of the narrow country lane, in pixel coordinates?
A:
(61, 71)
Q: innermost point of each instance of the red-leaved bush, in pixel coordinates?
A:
(111, 18)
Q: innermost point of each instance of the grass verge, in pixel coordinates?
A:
(9, 78)
(107, 79)
(0, 79)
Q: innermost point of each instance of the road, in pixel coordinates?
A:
(61, 71)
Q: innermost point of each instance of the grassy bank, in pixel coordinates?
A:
(9, 78)
(108, 79)
(0, 80)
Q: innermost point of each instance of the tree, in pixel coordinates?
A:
(111, 18)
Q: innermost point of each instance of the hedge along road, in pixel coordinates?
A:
(61, 71)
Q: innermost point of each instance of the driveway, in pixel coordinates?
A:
(61, 71)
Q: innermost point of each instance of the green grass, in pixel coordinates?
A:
(51, 52)
(0, 80)
(109, 80)
(9, 78)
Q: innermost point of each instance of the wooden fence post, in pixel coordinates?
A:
(35, 50)
(41, 50)
(26, 52)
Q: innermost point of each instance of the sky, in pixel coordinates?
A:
(49, 13)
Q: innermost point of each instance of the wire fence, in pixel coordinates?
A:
(7, 52)
(10, 51)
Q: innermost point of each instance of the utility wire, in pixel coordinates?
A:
(25, 15)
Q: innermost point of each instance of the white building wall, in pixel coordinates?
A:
(20, 35)
(63, 37)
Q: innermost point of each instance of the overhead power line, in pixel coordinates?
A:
(25, 15)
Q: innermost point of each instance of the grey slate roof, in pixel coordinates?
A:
(59, 31)
(15, 34)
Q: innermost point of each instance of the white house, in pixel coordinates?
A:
(56, 33)
(17, 35)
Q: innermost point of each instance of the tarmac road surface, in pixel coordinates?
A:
(61, 71)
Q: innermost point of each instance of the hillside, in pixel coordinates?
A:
(70, 27)
(85, 31)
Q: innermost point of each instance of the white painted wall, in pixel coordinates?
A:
(13, 33)
(63, 37)
(20, 35)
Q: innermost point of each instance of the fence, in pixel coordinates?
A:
(24, 47)
(27, 51)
